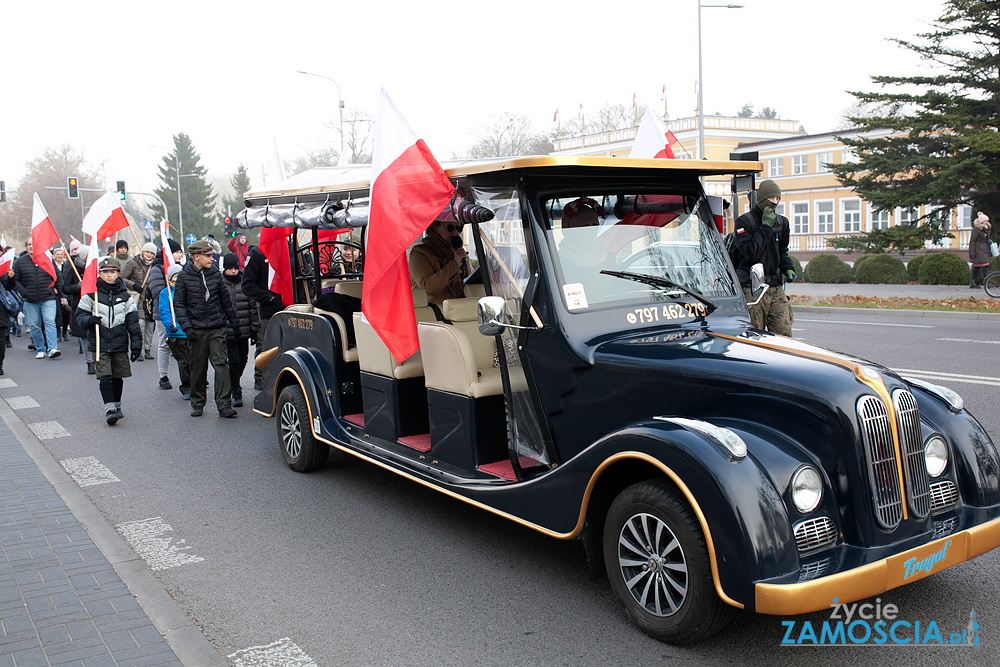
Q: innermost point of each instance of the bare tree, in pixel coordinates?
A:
(508, 134)
(359, 135)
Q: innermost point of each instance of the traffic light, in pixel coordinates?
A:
(3, 192)
(73, 187)
(230, 227)
(121, 190)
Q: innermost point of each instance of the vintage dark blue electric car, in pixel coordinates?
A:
(603, 383)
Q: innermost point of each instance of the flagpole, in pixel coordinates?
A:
(70, 260)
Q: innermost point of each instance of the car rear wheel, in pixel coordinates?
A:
(301, 451)
(658, 565)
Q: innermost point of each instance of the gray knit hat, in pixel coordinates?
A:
(768, 189)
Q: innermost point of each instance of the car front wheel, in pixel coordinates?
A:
(301, 451)
(658, 565)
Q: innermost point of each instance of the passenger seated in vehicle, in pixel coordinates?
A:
(440, 263)
(581, 252)
(348, 259)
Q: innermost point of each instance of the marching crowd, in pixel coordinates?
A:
(194, 308)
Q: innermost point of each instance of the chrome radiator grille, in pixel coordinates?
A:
(814, 533)
(912, 447)
(944, 494)
(880, 455)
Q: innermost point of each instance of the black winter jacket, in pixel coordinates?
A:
(755, 243)
(245, 307)
(33, 283)
(71, 289)
(202, 301)
(255, 285)
(117, 314)
(155, 284)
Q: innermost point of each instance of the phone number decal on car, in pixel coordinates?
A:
(665, 313)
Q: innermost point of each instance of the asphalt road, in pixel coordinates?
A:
(353, 566)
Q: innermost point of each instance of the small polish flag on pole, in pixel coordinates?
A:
(89, 280)
(652, 139)
(555, 115)
(7, 261)
(43, 236)
(105, 217)
(168, 257)
(408, 190)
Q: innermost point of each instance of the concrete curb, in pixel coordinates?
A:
(185, 638)
(799, 309)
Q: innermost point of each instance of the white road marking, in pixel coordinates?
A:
(945, 378)
(48, 430)
(870, 324)
(968, 340)
(21, 402)
(88, 471)
(282, 653)
(146, 537)
(7, 383)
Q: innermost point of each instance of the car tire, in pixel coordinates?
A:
(657, 562)
(301, 451)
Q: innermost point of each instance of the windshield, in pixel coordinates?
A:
(606, 244)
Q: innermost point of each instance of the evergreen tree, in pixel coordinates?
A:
(241, 185)
(942, 147)
(196, 194)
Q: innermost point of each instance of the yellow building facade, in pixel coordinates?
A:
(817, 206)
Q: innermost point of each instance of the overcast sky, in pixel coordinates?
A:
(118, 79)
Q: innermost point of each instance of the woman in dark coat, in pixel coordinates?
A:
(979, 249)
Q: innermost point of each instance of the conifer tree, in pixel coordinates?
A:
(196, 196)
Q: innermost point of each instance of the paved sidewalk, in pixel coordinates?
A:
(62, 601)
(885, 291)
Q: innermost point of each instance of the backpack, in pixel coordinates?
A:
(10, 301)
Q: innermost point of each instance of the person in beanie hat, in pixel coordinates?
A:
(238, 339)
(72, 292)
(74, 247)
(176, 338)
(979, 249)
(203, 307)
(256, 286)
(121, 252)
(117, 323)
(761, 237)
(136, 275)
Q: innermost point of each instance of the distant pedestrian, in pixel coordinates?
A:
(239, 338)
(121, 253)
(72, 292)
(203, 307)
(176, 338)
(979, 249)
(65, 269)
(255, 286)
(120, 338)
(41, 295)
(240, 246)
(761, 237)
(135, 275)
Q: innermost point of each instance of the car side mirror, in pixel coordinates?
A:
(490, 315)
(757, 284)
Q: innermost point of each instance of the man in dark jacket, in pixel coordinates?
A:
(240, 337)
(255, 286)
(41, 294)
(761, 237)
(203, 306)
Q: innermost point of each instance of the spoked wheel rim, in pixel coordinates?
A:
(652, 564)
(291, 430)
(992, 284)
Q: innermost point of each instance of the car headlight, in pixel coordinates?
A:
(952, 398)
(935, 455)
(807, 489)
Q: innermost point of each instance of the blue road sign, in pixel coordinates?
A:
(148, 225)
(190, 238)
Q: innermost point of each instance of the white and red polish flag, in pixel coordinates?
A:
(89, 280)
(715, 205)
(168, 257)
(43, 235)
(7, 261)
(273, 244)
(408, 190)
(652, 139)
(105, 217)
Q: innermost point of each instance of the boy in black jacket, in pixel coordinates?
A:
(118, 322)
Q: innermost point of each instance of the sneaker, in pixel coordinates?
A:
(91, 370)
(1, 370)
(187, 396)
(111, 417)
(31, 346)
(40, 355)
(237, 400)
(54, 353)
(228, 413)
(165, 383)
(197, 412)
(146, 354)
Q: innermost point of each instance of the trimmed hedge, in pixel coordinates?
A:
(881, 269)
(944, 268)
(858, 262)
(828, 269)
(798, 270)
(913, 268)
(995, 264)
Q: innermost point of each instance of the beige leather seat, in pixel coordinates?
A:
(350, 353)
(375, 357)
(457, 358)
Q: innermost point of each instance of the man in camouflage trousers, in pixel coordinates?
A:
(761, 237)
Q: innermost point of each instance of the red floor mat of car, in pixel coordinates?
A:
(421, 443)
(505, 469)
(358, 419)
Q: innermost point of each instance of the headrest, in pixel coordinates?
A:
(419, 297)
(460, 310)
(349, 288)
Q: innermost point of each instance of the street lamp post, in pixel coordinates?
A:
(180, 209)
(701, 99)
(340, 103)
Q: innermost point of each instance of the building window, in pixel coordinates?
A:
(941, 218)
(826, 222)
(850, 155)
(908, 216)
(780, 208)
(800, 217)
(823, 160)
(964, 217)
(775, 167)
(880, 219)
(800, 164)
(850, 212)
